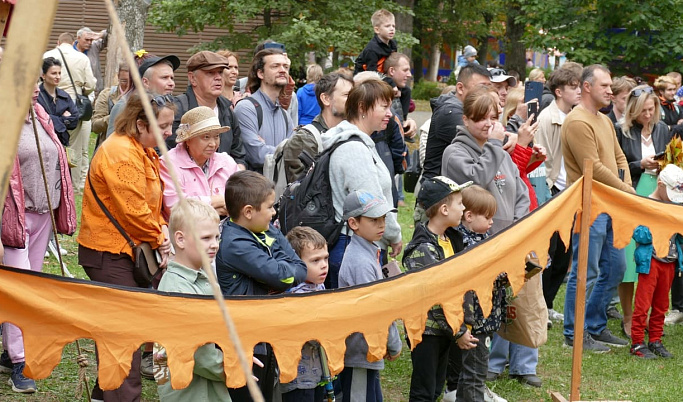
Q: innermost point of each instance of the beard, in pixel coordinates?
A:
(338, 113)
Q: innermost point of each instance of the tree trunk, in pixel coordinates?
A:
(404, 23)
(483, 50)
(516, 52)
(133, 15)
(434, 59)
(417, 50)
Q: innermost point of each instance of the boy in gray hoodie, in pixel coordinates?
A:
(365, 214)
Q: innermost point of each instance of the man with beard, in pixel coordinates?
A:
(263, 121)
(331, 92)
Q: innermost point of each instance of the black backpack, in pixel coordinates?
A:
(308, 201)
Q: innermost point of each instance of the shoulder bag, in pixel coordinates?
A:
(82, 102)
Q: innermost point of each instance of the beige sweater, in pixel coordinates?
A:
(592, 136)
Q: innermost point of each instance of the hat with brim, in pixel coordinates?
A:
(436, 189)
(198, 121)
(154, 60)
(502, 77)
(363, 203)
(672, 177)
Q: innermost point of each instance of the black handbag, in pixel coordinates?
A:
(82, 102)
(146, 267)
(412, 174)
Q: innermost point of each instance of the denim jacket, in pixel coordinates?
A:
(645, 250)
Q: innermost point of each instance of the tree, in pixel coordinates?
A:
(133, 14)
(627, 35)
(340, 26)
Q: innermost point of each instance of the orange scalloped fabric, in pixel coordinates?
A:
(53, 311)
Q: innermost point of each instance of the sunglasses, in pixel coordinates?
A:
(637, 92)
(162, 100)
(495, 72)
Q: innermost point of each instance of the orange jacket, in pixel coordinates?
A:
(126, 178)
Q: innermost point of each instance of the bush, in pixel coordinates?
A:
(426, 90)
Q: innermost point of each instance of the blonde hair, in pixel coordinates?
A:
(536, 74)
(622, 84)
(379, 16)
(635, 106)
(514, 98)
(313, 73)
(194, 211)
(662, 82)
(479, 201)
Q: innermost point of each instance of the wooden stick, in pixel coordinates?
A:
(580, 307)
(4, 14)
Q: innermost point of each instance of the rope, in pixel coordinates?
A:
(81, 358)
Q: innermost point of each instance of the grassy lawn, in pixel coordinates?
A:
(613, 376)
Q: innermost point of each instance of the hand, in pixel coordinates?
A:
(236, 97)
(467, 341)
(649, 162)
(165, 246)
(539, 154)
(511, 143)
(680, 121)
(241, 166)
(497, 131)
(409, 128)
(392, 358)
(527, 131)
(66, 113)
(218, 203)
(396, 249)
(522, 109)
(258, 363)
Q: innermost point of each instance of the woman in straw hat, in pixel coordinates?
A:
(202, 172)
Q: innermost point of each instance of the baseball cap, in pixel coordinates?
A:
(363, 203)
(206, 60)
(154, 60)
(436, 189)
(672, 177)
(500, 75)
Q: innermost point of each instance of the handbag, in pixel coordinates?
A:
(413, 173)
(527, 316)
(146, 267)
(82, 102)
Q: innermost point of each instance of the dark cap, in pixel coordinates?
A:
(436, 189)
(362, 203)
(206, 60)
(154, 60)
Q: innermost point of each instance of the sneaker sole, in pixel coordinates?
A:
(564, 345)
(5, 370)
(21, 390)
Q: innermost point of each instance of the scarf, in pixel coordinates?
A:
(668, 104)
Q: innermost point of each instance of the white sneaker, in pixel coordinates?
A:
(673, 317)
(490, 396)
(449, 396)
(555, 316)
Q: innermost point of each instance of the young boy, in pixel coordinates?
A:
(311, 247)
(254, 258)
(380, 46)
(655, 274)
(186, 275)
(468, 363)
(433, 241)
(365, 214)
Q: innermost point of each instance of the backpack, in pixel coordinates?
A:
(274, 164)
(308, 202)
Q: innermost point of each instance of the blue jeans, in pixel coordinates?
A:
(605, 270)
(523, 359)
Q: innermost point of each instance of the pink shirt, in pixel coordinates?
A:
(193, 181)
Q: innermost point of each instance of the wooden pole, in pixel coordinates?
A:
(580, 307)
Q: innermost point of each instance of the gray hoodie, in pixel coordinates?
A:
(492, 168)
(357, 166)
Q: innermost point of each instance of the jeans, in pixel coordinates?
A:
(605, 270)
(473, 371)
(523, 359)
(335, 260)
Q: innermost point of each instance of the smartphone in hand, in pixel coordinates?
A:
(533, 90)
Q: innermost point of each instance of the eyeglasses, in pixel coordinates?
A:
(495, 72)
(637, 92)
(162, 100)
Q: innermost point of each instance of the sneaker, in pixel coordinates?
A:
(491, 376)
(528, 379)
(6, 365)
(147, 366)
(555, 316)
(449, 396)
(589, 344)
(608, 338)
(673, 317)
(613, 313)
(640, 350)
(550, 324)
(20, 383)
(659, 349)
(490, 396)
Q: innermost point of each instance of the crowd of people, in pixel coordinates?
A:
(485, 161)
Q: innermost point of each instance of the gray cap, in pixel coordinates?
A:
(362, 203)
(469, 51)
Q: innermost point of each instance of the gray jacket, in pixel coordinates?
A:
(492, 168)
(357, 166)
(361, 265)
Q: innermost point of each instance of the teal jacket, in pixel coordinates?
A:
(645, 250)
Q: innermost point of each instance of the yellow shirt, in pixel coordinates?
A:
(446, 246)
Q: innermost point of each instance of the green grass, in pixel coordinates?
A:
(613, 376)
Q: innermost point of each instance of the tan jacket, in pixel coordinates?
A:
(549, 135)
(79, 65)
(591, 136)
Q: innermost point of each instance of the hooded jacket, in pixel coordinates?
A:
(371, 58)
(308, 104)
(446, 117)
(357, 166)
(492, 168)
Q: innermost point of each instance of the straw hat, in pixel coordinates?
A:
(198, 121)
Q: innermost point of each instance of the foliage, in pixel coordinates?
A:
(426, 90)
(629, 36)
(341, 26)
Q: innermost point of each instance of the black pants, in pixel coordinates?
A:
(267, 380)
(430, 359)
(677, 292)
(316, 394)
(561, 257)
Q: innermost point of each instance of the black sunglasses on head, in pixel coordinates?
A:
(162, 100)
(637, 92)
(497, 71)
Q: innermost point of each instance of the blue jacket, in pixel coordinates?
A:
(256, 263)
(308, 104)
(56, 108)
(645, 250)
